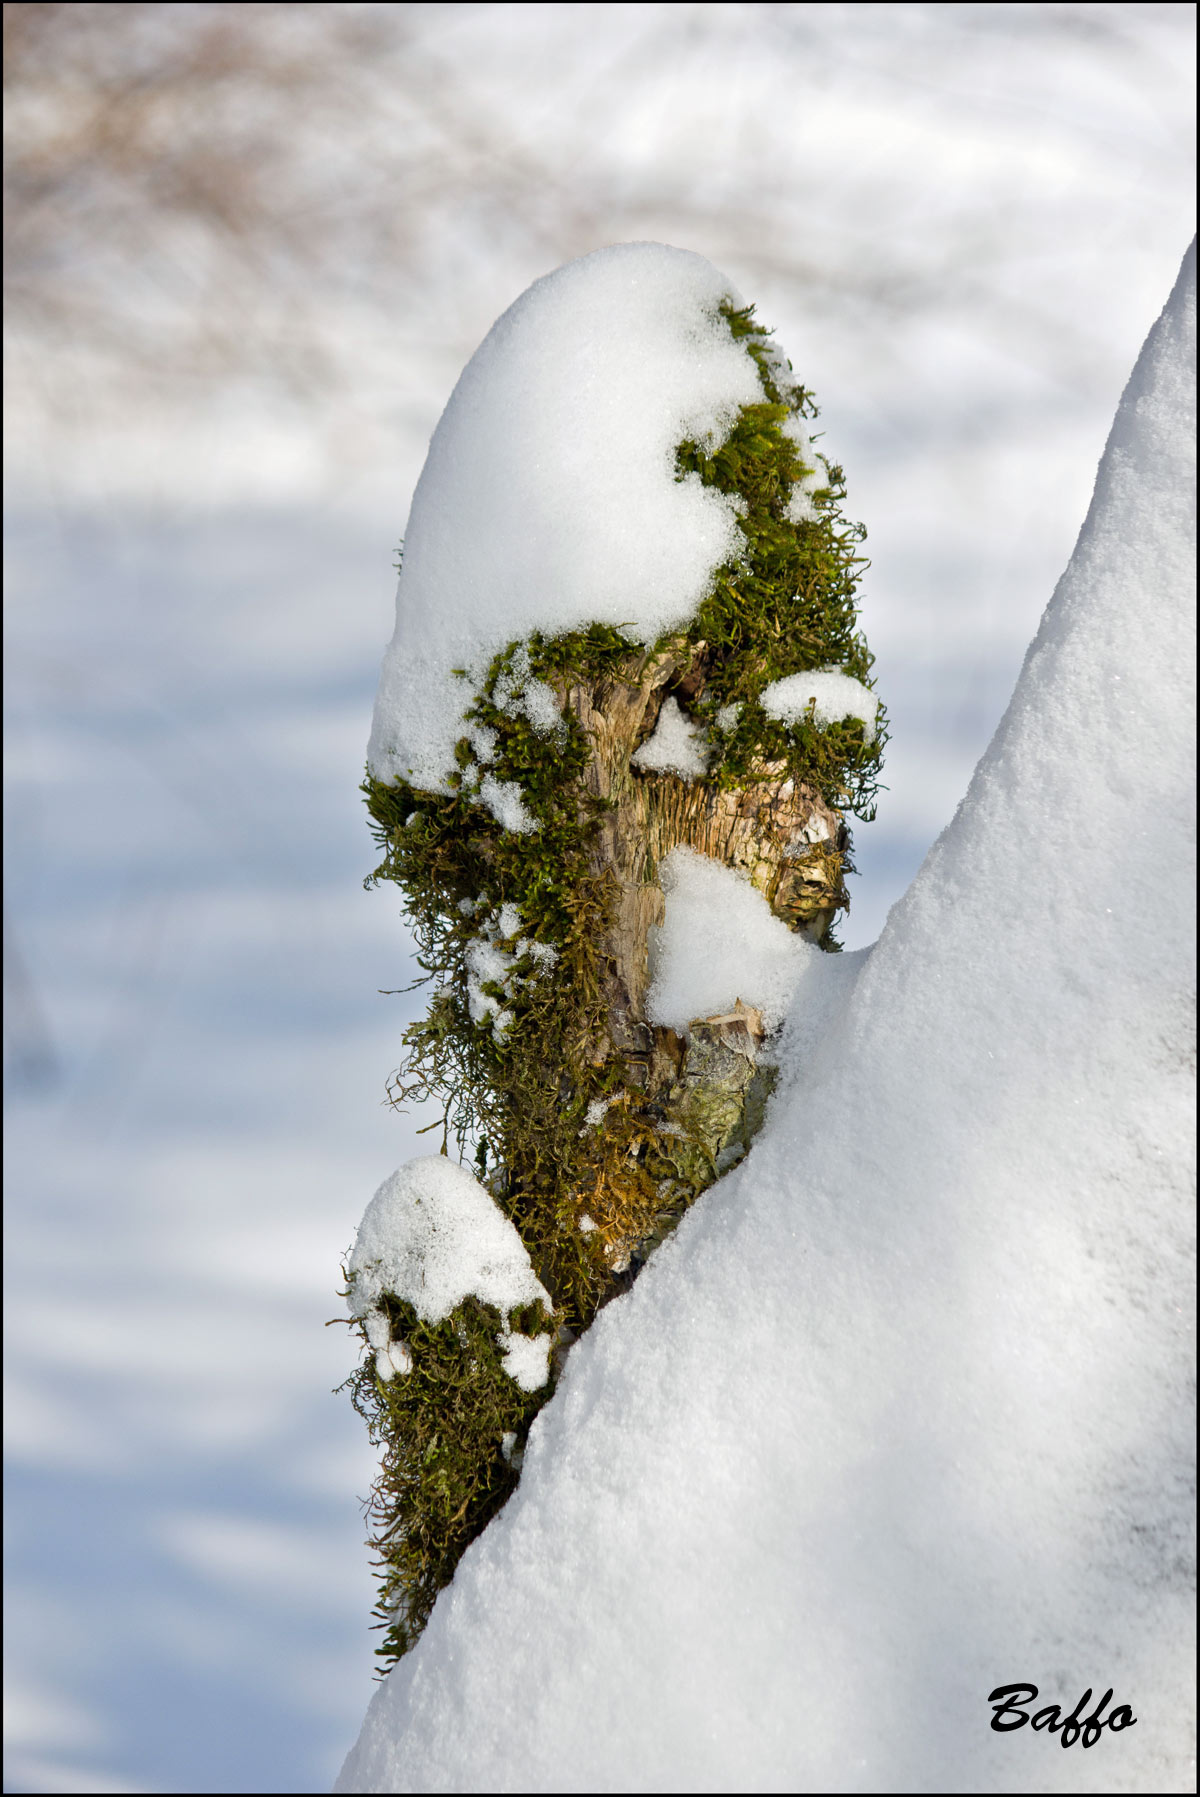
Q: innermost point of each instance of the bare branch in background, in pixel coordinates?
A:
(160, 205)
(321, 199)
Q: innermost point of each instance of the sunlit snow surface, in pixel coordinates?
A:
(901, 1413)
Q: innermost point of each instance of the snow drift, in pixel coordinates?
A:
(901, 1413)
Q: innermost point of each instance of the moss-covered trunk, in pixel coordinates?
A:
(697, 1101)
(532, 885)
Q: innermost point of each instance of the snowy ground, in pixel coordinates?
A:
(191, 1128)
(197, 1052)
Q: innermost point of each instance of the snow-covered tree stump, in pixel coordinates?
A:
(627, 682)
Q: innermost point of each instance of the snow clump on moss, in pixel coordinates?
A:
(432, 1236)
(834, 696)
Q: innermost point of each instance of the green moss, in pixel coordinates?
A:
(450, 1432)
(788, 604)
(515, 1099)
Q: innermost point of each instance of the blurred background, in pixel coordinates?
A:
(248, 249)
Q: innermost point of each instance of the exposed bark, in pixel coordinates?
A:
(782, 835)
(707, 1092)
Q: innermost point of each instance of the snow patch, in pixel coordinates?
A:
(597, 1111)
(483, 741)
(719, 941)
(526, 1359)
(833, 694)
(393, 1359)
(486, 965)
(517, 691)
(506, 803)
(801, 507)
(676, 747)
(489, 964)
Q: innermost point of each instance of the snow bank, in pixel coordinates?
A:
(549, 498)
(719, 941)
(433, 1236)
(901, 1413)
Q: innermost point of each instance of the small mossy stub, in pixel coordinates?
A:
(450, 1431)
(531, 888)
